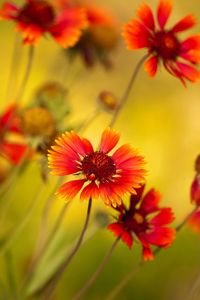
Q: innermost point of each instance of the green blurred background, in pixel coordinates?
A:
(161, 119)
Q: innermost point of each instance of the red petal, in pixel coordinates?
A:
(119, 230)
(116, 228)
(165, 216)
(127, 238)
(68, 26)
(188, 72)
(163, 12)
(8, 120)
(151, 66)
(191, 56)
(147, 254)
(73, 140)
(145, 14)
(88, 146)
(109, 140)
(8, 11)
(123, 153)
(70, 189)
(195, 190)
(161, 236)
(184, 24)
(194, 222)
(136, 35)
(90, 191)
(174, 71)
(191, 43)
(150, 201)
(14, 152)
(30, 32)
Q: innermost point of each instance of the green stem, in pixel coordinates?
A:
(23, 85)
(96, 274)
(112, 295)
(127, 91)
(48, 288)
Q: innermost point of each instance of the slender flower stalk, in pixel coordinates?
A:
(25, 79)
(96, 274)
(123, 282)
(49, 287)
(127, 91)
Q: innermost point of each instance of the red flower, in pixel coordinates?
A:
(37, 17)
(164, 44)
(107, 177)
(195, 190)
(9, 123)
(100, 37)
(137, 222)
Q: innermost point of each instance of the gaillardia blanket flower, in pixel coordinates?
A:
(38, 17)
(105, 176)
(9, 123)
(101, 36)
(164, 44)
(145, 221)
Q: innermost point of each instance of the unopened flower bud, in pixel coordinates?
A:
(52, 95)
(50, 91)
(37, 121)
(108, 100)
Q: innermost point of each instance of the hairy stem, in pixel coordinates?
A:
(127, 91)
(48, 288)
(96, 274)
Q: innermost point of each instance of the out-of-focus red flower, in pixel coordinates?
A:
(107, 177)
(164, 44)
(38, 17)
(100, 37)
(146, 221)
(9, 123)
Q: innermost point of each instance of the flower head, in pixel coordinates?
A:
(105, 176)
(164, 44)
(100, 37)
(38, 17)
(9, 123)
(145, 221)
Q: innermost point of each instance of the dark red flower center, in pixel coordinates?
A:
(135, 221)
(166, 45)
(98, 166)
(40, 13)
